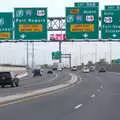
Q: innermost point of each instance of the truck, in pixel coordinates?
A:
(60, 67)
(55, 66)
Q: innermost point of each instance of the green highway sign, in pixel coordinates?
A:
(6, 26)
(82, 23)
(110, 24)
(112, 7)
(114, 61)
(56, 55)
(30, 23)
(86, 4)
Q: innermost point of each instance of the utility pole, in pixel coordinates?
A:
(70, 60)
(80, 54)
(27, 55)
(95, 53)
(33, 56)
(110, 47)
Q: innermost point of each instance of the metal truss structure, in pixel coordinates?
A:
(56, 24)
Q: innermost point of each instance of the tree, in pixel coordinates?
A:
(82, 64)
(90, 63)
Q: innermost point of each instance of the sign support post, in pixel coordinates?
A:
(60, 45)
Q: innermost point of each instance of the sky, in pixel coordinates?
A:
(16, 52)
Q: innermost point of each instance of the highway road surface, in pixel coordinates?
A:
(30, 83)
(97, 97)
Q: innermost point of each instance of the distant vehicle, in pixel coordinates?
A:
(50, 72)
(8, 78)
(42, 70)
(92, 68)
(86, 70)
(102, 69)
(60, 67)
(74, 68)
(55, 66)
(37, 72)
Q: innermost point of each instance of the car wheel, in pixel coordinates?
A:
(16, 82)
(12, 84)
(2, 86)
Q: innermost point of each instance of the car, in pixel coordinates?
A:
(59, 68)
(37, 72)
(50, 72)
(102, 69)
(74, 68)
(86, 70)
(54, 68)
(92, 68)
(8, 78)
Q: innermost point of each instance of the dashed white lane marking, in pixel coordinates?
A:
(78, 106)
(98, 79)
(101, 87)
(92, 96)
(98, 90)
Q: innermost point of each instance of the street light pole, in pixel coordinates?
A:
(33, 56)
(110, 45)
(95, 53)
(80, 54)
(27, 56)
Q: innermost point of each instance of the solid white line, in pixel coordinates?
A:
(92, 96)
(78, 106)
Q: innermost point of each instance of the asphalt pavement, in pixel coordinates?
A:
(97, 97)
(30, 83)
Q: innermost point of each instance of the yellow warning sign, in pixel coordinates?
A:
(4, 35)
(30, 28)
(82, 28)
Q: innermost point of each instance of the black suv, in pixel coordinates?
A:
(37, 72)
(102, 69)
(8, 78)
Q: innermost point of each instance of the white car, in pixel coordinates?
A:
(74, 68)
(59, 69)
(86, 70)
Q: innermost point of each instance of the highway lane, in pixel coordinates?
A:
(96, 98)
(55, 106)
(32, 83)
(106, 105)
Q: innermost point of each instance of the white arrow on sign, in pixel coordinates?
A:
(85, 35)
(22, 36)
(114, 35)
